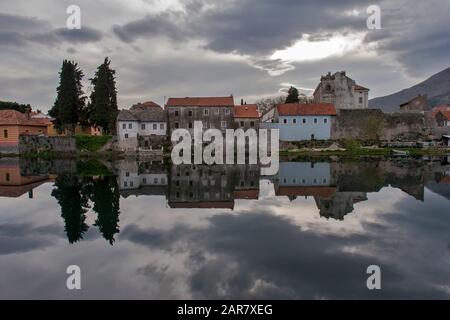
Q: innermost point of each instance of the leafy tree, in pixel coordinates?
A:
(292, 95)
(7, 105)
(74, 204)
(69, 105)
(102, 108)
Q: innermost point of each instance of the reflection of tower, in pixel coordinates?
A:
(339, 204)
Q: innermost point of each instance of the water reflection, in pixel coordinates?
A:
(225, 231)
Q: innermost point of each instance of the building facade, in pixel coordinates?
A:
(143, 126)
(443, 119)
(213, 112)
(246, 117)
(13, 124)
(341, 91)
(298, 122)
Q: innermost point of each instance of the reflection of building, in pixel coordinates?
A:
(142, 178)
(13, 184)
(304, 179)
(216, 186)
(341, 91)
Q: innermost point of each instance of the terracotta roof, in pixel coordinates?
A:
(445, 180)
(13, 117)
(313, 109)
(145, 105)
(325, 192)
(201, 102)
(246, 111)
(446, 114)
(360, 88)
(246, 194)
(203, 205)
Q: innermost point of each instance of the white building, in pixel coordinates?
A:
(141, 127)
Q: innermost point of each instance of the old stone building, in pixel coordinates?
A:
(143, 127)
(443, 119)
(246, 116)
(213, 112)
(341, 91)
(417, 104)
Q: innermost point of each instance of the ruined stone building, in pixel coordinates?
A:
(341, 91)
(417, 104)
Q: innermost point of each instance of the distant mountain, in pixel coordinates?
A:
(437, 88)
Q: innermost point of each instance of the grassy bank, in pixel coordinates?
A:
(91, 143)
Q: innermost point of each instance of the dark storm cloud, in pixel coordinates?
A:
(249, 26)
(20, 31)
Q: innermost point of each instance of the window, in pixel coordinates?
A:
(294, 121)
(227, 111)
(176, 113)
(126, 135)
(131, 184)
(130, 126)
(5, 134)
(124, 125)
(304, 120)
(144, 180)
(155, 180)
(190, 113)
(242, 123)
(285, 121)
(125, 184)
(223, 124)
(206, 112)
(252, 123)
(163, 180)
(216, 111)
(315, 120)
(360, 100)
(143, 126)
(190, 125)
(127, 174)
(155, 126)
(312, 137)
(177, 125)
(161, 126)
(325, 120)
(7, 176)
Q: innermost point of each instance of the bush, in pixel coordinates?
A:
(351, 144)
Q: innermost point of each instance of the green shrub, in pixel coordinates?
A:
(91, 143)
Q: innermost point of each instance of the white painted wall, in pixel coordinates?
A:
(137, 128)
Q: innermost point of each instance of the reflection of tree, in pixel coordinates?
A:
(104, 194)
(73, 204)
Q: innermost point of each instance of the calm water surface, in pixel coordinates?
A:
(150, 230)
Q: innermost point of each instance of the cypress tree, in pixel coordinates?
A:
(69, 105)
(292, 95)
(102, 108)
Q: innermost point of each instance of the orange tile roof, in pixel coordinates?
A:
(203, 205)
(325, 192)
(445, 180)
(246, 194)
(246, 111)
(13, 117)
(312, 109)
(201, 102)
(446, 114)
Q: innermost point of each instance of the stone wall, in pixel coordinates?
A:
(373, 124)
(29, 144)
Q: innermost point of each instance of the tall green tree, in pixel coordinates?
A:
(102, 108)
(292, 95)
(15, 106)
(69, 106)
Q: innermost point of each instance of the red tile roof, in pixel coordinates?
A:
(145, 105)
(246, 111)
(312, 109)
(446, 114)
(445, 180)
(360, 88)
(13, 117)
(201, 102)
(246, 194)
(325, 192)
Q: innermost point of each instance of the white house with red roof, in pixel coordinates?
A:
(298, 122)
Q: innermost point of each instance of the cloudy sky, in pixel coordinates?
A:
(248, 48)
